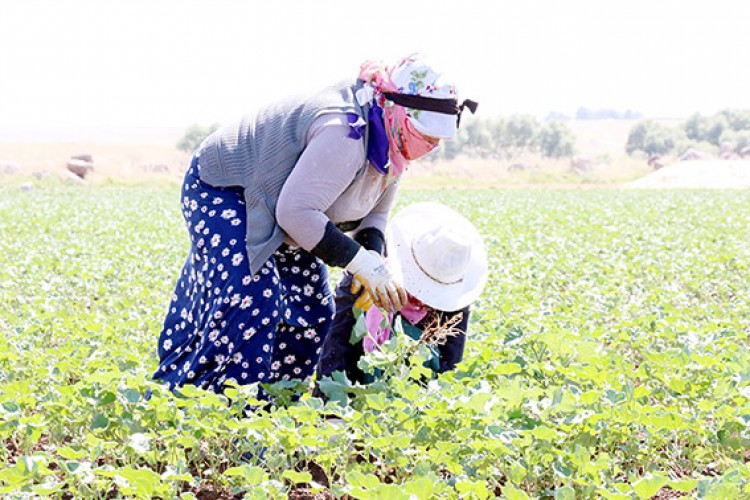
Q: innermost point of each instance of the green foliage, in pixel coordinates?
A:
(556, 140)
(651, 137)
(738, 139)
(705, 133)
(607, 358)
(684, 144)
(194, 135)
(737, 119)
(709, 129)
(508, 137)
(606, 114)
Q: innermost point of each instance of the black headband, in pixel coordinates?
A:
(444, 106)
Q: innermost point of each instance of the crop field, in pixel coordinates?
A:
(609, 357)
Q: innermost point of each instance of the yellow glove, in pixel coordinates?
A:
(369, 268)
(364, 300)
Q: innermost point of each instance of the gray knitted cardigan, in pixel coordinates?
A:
(260, 152)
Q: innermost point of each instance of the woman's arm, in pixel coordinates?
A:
(324, 170)
(371, 232)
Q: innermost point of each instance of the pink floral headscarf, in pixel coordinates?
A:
(405, 142)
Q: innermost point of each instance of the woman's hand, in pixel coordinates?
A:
(364, 299)
(370, 269)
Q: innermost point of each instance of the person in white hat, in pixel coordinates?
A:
(274, 199)
(440, 258)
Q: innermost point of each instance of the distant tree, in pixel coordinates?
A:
(605, 114)
(477, 138)
(556, 140)
(637, 137)
(631, 115)
(556, 116)
(521, 130)
(194, 135)
(507, 137)
(684, 145)
(652, 138)
(706, 128)
(449, 150)
(737, 119)
(739, 139)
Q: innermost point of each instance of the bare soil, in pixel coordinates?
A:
(698, 174)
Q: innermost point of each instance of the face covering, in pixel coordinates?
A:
(413, 144)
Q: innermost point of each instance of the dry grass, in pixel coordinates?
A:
(114, 162)
(539, 172)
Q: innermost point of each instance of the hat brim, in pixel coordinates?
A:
(434, 124)
(418, 219)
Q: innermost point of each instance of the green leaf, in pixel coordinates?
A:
(364, 481)
(106, 398)
(684, 485)
(10, 406)
(477, 401)
(131, 395)
(613, 496)
(143, 482)
(376, 401)
(100, 422)
(649, 485)
(48, 488)
(513, 493)
(422, 488)
(476, 488)
(506, 369)
(565, 493)
(70, 453)
(253, 475)
(544, 433)
(359, 331)
(336, 387)
(296, 477)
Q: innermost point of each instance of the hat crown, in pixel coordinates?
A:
(443, 255)
(416, 75)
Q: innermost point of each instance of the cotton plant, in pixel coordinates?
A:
(389, 354)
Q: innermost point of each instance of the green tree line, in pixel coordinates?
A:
(509, 137)
(728, 130)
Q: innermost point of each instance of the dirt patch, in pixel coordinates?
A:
(698, 174)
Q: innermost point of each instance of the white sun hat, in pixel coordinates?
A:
(417, 76)
(438, 255)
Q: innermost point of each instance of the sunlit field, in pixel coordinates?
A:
(608, 358)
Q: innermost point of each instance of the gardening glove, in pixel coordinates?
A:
(364, 300)
(369, 268)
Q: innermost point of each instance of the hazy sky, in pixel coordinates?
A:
(156, 63)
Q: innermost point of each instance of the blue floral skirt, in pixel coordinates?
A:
(224, 323)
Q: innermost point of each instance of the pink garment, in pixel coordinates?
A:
(376, 335)
(405, 142)
(414, 313)
(413, 143)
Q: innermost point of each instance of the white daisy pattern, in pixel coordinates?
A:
(225, 323)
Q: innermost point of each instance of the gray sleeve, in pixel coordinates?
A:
(324, 170)
(378, 217)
